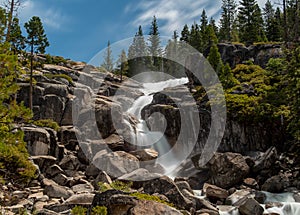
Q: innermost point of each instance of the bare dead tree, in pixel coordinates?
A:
(11, 6)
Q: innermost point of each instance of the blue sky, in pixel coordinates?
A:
(79, 29)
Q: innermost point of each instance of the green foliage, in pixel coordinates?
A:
(56, 60)
(103, 187)
(227, 78)
(292, 89)
(122, 65)
(214, 58)
(115, 185)
(108, 62)
(48, 123)
(78, 210)
(154, 46)
(36, 37)
(99, 210)
(148, 197)
(250, 22)
(227, 20)
(13, 154)
(16, 39)
(58, 76)
(272, 22)
(137, 54)
(122, 186)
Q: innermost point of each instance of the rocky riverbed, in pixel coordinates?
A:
(237, 179)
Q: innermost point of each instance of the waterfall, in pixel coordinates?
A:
(141, 135)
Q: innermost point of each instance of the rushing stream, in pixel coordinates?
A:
(286, 206)
(142, 136)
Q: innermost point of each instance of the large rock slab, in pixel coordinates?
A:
(38, 140)
(251, 207)
(167, 187)
(117, 163)
(227, 169)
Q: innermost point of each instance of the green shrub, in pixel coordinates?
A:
(78, 210)
(14, 158)
(48, 123)
(148, 197)
(55, 60)
(99, 210)
(64, 76)
(115, 185)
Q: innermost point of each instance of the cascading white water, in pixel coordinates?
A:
(142, 136)
(289, 206)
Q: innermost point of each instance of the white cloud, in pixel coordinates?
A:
(172, 14)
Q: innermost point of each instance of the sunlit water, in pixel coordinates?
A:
(141, 135)
(289, 206)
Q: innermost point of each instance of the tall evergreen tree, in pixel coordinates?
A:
(16, 39)
(212, 23)
(171, 53)
(3, 19)
(214, 58)
(137, 54)
(250, 22)
(37, 40)
(185, 34)
(14, 161)
(203, 32)
(154, 47)
(108, 61)
(292, 16)
(122, 64)
(272, 23)
(227, 20)
(227, 78)
(195, 39)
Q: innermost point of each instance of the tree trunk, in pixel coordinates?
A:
(10, 17)
(31, 74)
(285, 22)
(296, 27)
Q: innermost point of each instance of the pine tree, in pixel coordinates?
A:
(214, 58)
(250, 22)
(227, 78)
(212, 23)
(272, 21)
(13, 154)
(185, 34)
(122, 64)
(137, 54)
(108, 61)
(292, 16)
(203, 32)
(172, 51)
(227, 20)
(37, 40)
(154, 46)
(16, 39)
(195, 39)
(3, 20)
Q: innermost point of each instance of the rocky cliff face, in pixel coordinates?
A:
(239, 136)
(260, 54)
